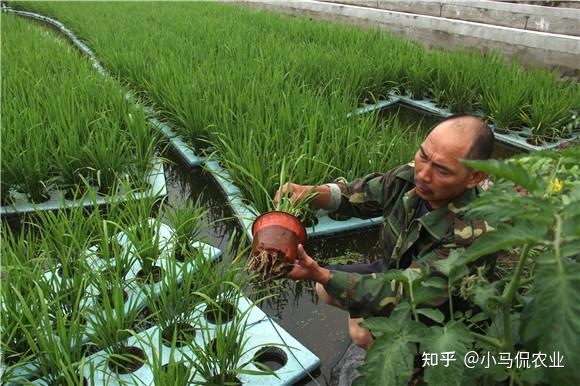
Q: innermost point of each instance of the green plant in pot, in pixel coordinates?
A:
(173, 305)
(186, 223)
(222, 345)
(173, 371)
(112, 324)
(277, 234)
(146, 240)
(57, 349)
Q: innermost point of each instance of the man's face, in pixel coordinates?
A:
(439, 176)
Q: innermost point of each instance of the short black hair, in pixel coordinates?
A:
(483, 138)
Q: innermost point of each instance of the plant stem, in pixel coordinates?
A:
(451, 313)
(488, 339)
(412, 297)
(508, 297)
(557, 242)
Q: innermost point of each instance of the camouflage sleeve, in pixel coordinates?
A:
(364, 295)
(362, 197)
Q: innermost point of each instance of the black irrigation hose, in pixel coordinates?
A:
(131, 98)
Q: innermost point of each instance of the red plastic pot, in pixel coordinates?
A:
(278, 232)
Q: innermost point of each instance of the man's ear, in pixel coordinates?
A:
(476, 177)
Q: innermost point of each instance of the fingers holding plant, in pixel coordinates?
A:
(293, 192)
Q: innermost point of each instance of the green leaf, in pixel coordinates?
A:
(506, 236)
(389, 327)
(389, 361)
(435, 282)
(509, 171)
(483, 297)
(412, 276)
(432, 313)
(454, 337)
(430, 296)
(552, 318)
(452, 266)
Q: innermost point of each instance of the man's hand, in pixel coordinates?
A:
(294, 192)
(306, 268)
(297, 192)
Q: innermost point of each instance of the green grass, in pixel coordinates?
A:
(51, 296)
(261, 88)
(63, 126)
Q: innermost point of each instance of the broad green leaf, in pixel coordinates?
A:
(412, 276)
(389, 327)
(389, 362)
(483, 297)
(402, 311)
(430, 296)
(453, 337)
(432, 313)
(509, 171)
(496, 329)
(435, 282)
(452, 266)
(445, 266)
(506, 236)
(552, 318)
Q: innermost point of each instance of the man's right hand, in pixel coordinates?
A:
(306, 268)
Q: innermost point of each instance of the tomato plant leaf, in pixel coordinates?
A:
(510, 171)
(453, 337)
(551, 318)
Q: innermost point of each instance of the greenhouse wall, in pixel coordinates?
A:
(521, 16)
(539, 48)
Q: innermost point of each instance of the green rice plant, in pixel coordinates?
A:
(146, 239)
(262, 87)
(144, 140)
(75, 126)
(418, 72)
(68, 159)
(504, 102)
(173, 305)
(57, 350)
(222, 347)
(16, 295)
(112, 324)
(35, 173)
(550, 108)
(173, 373)
(186, 222)
(465, 71)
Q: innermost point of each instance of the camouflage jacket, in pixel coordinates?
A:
(407, 240)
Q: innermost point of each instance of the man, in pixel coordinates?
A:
(420, 204)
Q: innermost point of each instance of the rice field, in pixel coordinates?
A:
(65, 129)
(259, 89)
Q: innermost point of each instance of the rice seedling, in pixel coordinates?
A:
(173, 373)
(221, 347)
(173, 305)
(58, 349)
(112, 324)
(504, 103)
(186, 224)
(550, 108)
(75, 127)
(418, 73)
